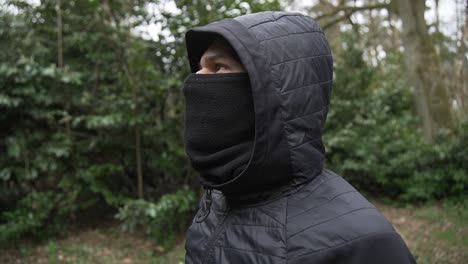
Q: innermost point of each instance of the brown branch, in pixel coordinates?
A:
(334, 22)
(352, 9)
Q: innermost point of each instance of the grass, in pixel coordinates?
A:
(435, 233)
(102, 245)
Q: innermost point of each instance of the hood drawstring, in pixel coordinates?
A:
(205, 207)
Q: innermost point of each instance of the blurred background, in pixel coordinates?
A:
(92, 164)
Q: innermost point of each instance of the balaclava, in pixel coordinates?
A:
(219, 124)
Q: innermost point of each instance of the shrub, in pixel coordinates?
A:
(372, 138)
(30, 216)
(162, 220)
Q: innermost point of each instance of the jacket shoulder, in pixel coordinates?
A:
(330, 216)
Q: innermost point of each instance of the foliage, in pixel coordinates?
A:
(372, 136)
(90, 109)
(440, 170)
(70, 129)
(163, 219)
(31, 215)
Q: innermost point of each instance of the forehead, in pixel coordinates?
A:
(219, 49)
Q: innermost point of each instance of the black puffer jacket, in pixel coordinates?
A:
(284, 207)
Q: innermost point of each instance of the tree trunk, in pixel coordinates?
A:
(459, 82)
(437, 16)
(138, 160)
(432, 101)
(60, 64)
(106, 6)
(59, 34)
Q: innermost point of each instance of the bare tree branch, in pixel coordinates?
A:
(348, 12)
(352, 9)
(335, 21)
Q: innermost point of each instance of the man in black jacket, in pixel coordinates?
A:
(256, 104)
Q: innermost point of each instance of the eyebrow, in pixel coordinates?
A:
(215, 56)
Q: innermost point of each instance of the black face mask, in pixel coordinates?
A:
(219, 124)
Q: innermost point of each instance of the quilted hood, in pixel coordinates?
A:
(290, 67)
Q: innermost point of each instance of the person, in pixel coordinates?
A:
(256, 103)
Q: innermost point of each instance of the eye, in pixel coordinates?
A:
(220, 67)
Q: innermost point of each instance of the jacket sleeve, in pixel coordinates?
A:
(381, 248)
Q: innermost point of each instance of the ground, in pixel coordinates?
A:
(435, 234)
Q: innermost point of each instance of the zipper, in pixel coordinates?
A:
(202, 215)
(210, 244)
(205, 209)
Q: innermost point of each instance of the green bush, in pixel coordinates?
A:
(69, 134)
(440, 170)
(162, 220)
(29, 218)
(106, 120)
(372, 137)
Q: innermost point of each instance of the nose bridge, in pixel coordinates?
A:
(204, 71)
